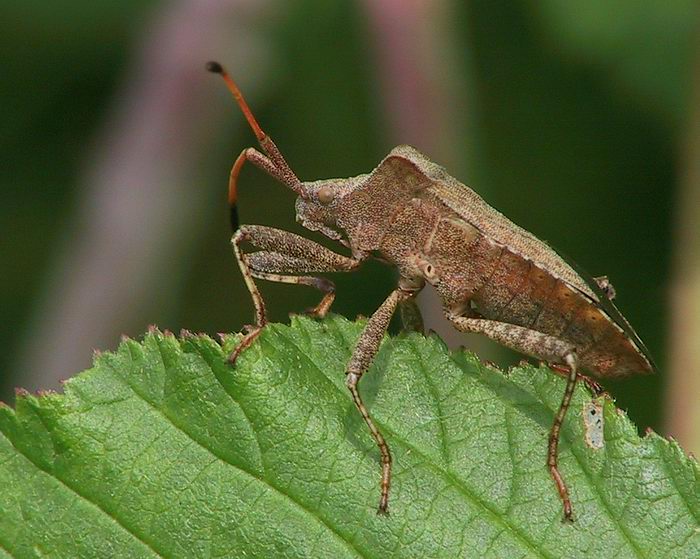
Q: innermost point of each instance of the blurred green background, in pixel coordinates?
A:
(570, 118)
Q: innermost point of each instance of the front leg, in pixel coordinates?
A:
(283, 253)
(546, 347)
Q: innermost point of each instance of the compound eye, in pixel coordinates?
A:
(325, 195)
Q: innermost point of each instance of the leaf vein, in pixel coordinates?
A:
(239, 468)
(674, 482)
(240, 407)
(461, 487)
(89, 501)
(3, 548)
(438, 405)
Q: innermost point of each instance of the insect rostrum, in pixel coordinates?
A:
(493, 277)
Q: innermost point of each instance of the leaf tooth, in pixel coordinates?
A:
(186, 334)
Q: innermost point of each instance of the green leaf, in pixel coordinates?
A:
(162, 449)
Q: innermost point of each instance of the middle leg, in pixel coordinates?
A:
(362, 357)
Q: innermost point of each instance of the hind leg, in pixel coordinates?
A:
(546, 347)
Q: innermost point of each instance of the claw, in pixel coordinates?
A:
(315, 312)
(252, 333)
(320, 310)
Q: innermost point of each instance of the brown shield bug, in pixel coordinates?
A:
(493, 277)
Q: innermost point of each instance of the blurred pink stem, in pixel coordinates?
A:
(142, 205)
(683, 395)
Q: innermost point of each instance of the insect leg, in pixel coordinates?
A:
(260, 316)
(326, 286)
(545, 347)
(274, 266)
(594, 386)
(553, 447)
(362, 356)
(284, 253)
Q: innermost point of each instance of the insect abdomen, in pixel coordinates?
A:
(469, 269)
(521, 293)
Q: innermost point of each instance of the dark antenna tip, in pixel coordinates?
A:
(214, 67)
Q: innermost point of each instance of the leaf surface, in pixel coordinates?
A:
(163, 450)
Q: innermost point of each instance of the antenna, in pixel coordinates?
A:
(217, 68)
(274, 164)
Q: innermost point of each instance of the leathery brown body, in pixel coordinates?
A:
(494, 278)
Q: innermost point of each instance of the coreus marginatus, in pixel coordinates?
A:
(493, 277)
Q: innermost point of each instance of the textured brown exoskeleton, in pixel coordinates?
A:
(493, 277)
